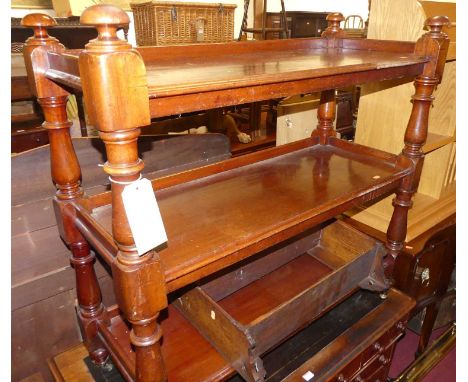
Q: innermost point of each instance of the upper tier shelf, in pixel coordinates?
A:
(189, 78)
(219, 214)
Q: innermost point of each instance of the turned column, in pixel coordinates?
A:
(433, 44)
(114, 86)
(66, 175)
(327, 108)
(326, 116)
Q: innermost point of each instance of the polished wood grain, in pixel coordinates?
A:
(435, 43)
(297, 188)
(342, 362)
(218, 215)
(302, 279)
(191, 75)
(183, 347)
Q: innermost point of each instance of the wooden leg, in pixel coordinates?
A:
(326, 116)
(81, 115)
(397, 229)
(90, 308)
(415, 137)
(428, 325)
(141, 295)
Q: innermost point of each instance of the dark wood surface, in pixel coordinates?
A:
(424, 269)
(354, 328)
(68, 31)
(253, 304)
(306, 182)
(315, 179)
(299, 23)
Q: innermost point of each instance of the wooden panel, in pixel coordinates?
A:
(31, 170)
(434, 172)
(30, 348)
(383, 116)
(297, 117)
(442, 117)
(425, 213)
(264, 295)
(20, 89)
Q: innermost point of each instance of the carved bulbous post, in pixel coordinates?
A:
(113, 76)
(66, 175)
(327, 108)
(334, 31)
(326, 116)
(433, 44)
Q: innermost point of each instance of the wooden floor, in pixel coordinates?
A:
(69, 366)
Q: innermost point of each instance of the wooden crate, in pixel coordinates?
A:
(172, 23)
(249, 310)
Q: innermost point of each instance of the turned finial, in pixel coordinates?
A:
(39, 22)
(334, 20)
(107, 19)
(436, 23)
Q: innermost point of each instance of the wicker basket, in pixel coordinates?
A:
(172, 23)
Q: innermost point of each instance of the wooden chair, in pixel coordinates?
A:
(354, 22)
(264, 30)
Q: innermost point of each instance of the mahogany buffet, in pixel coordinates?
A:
(252, 254)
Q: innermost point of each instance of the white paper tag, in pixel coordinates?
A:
(143, 215)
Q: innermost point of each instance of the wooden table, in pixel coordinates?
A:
(237, 214)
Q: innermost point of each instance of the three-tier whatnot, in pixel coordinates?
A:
(251, 256)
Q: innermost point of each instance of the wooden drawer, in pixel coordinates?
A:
(342, 358)
(28, 139)
(251, 309)
(379, 362)
(385, 342)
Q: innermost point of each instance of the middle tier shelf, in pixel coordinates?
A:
(219, 214)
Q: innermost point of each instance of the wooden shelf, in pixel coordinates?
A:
(301, 184)
(247, 311)
(426, 213)
(184, 79)
(189, 357)
(435, 141)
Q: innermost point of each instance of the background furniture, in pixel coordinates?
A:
(26, 115)
(292, 191)
(297, 116)
(26, 129)
(171, 23)
(425, 270)
(299, 24)
(68, 30)
(279, 30)
(383, 106)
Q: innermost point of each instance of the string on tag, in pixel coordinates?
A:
(124, 183)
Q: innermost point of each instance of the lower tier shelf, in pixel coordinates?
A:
(249, 310)
(354, 340)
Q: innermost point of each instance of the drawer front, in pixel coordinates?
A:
(384, 342)
(379, 363)
(347, 372)
(28, 141)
